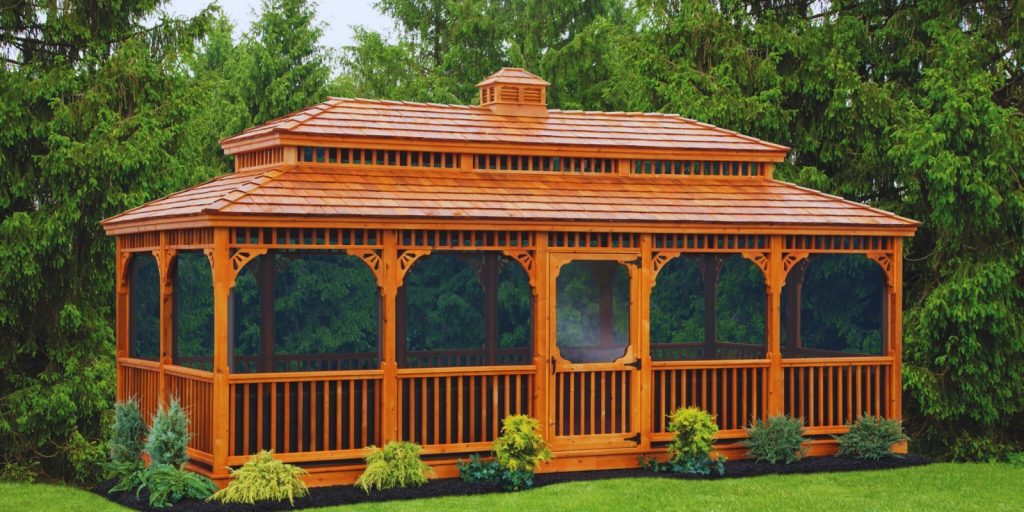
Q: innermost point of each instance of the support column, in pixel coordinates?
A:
(164, 258)
(221, 261)
(541, 335)
(644, 342)
(121, 314)
(775, 279)
(389, 291)
(896, 332)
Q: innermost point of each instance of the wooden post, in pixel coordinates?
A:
(166, 310)
(541, 335)
(121, 315)
(389, 291)
(646, 404)
(775, 279)
(896, 331)
(222, 281)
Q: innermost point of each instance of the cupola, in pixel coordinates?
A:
(514, 92)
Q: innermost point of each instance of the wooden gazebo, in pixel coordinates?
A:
(385, 270)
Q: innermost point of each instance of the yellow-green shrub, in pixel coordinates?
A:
(396, 465)
(520, 446)
(263, 478)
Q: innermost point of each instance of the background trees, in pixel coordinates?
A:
(910, 106)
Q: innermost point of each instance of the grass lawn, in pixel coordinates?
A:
(987, 487)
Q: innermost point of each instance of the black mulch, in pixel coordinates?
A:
(347, 494)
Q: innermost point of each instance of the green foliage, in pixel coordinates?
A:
(128, 435)
(166, 485)
(396, 465)
(520, 446)
(168, 438)
(871, 437)
(1017, 459)
(477, 470)
(693, 433)
(780, 438)
(263, 478)
(16, 472)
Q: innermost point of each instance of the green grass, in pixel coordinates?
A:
(984, 487)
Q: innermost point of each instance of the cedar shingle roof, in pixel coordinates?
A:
(381, 119)
(318, 190)
(513, 76)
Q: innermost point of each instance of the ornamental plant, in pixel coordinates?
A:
(127, 438)
(690, 448)
(780, 438)
(168, 438)
(398, 464)
(166, 485)
(871, 437)
(520, 446)
(263, 478)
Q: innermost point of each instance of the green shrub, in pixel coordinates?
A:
(397, 465)
(169, 436)
(520, 446)
(778, 439)
(1017, 459)
(477, 470)
(690, 448)
(166, 484)
(263, 478)
(18, 472)
(127, 439)
(871, 437)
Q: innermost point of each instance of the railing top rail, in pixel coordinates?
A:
(184, 371)
(252, 378)
(132, 362)
(838, 361)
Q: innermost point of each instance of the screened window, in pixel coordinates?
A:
(592, 311)
(708, 306)
(465, 309)
(193, 310)
(834, 305)
(305, 311)
(144, 307)
(740, 310)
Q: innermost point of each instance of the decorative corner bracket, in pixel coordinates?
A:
(406, 259)
(658, 261)
(372, 259)
(763, 262)
(884, 260)
(525, 258)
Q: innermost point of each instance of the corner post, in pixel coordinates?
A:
(896, 331)
(776, 279)
(121, 315)
(541, 328)
(166, 309)
(388, 363)
(222, 282)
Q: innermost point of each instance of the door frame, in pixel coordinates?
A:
(631, 259)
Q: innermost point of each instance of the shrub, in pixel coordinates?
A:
(690, 448)
(169, 436)
(127, 439)
(263, 478)
(397, 465)
(166, 485)
(1016, 458)
(778, 439)
(520, 446)
(871, 437)
(477, 470)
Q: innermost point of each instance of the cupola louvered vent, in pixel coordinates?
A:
(514, 92)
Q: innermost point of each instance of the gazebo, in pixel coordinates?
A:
(385, 270)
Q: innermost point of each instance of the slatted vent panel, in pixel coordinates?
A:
(694, 241)
(582, 165)
(509, 94)
(533, 95)
(300, 237)
(445, 239)
(596, 240)
(146, 240)
(260, 158)
(189, 237)
(695, 168)
(380, 157)
(838, 243)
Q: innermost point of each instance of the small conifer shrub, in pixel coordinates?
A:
(779, 439)
(395, 465)
(263, 478)
(127, 439)
(871, 437)
(168, 438)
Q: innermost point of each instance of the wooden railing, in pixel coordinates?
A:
(832, 392)
(734, 391)
(304, 416)
(194, 391)
(460, 409)
(140, 381)
(593, 402)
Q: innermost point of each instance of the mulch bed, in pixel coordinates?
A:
(347, 494)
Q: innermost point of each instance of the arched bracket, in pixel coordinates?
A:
(884, 260)
(164, 259)
(790, 260)
(658, 262)
(406, 259)
(525, 259)
(762, 261)
(240, 258)
(126, 258)
(372, 259)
